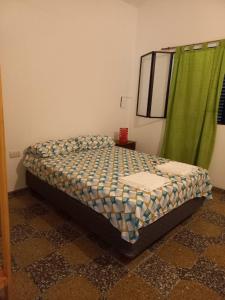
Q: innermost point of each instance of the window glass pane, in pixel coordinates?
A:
(144, 85)
(160, 85)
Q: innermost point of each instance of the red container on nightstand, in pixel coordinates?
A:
(123, 135)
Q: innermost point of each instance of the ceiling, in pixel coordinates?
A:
(135, 2)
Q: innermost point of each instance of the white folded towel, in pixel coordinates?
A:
(177, 168)
(145, 181)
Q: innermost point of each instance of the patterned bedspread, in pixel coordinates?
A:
(92, 178)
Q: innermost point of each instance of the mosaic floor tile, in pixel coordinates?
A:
(209, 274)
(103, 272)
(14, 265)
(40, 224)
(22, 287)
(190, 290)
(202, 227)
(69, 231)
(169, 235)
(81, 251)
(177, 254)
(64, 233)
(175, 230)
(29, 251)
(53, 218)
(130, 264)
(154, 247)
(217, 207)
(220, 240)
(16, 219)
(35, 210)
(77, 288)
(21, 201)
(55, 238)
(214, 218)
(21, 232)
(216, 254)
(48, 270)
(158, 274)
(133, 287)
(189, 239)
(73, 254)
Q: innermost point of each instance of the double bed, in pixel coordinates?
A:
(81, 176)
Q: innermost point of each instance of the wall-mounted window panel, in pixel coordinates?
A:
(154, 81)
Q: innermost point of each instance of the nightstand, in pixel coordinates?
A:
(129, 145)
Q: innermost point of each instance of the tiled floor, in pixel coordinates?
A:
(53, 258)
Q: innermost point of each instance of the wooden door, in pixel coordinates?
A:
(4, 211)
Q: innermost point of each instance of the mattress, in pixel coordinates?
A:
(92, 177)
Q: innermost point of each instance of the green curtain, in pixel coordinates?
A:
(193, 104)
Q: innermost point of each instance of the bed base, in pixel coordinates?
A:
(101, 226)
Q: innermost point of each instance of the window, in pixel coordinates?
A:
(154, 81)
(221, 111)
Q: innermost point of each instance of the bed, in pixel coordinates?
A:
(81, 176)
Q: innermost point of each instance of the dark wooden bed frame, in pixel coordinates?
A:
(99, 225)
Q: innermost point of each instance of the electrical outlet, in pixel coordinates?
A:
(14, 154)
(124, 102)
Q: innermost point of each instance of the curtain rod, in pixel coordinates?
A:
(169, 48)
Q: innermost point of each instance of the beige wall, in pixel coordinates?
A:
(176, 22)
(65, 65)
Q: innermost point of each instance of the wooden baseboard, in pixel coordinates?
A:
(17, 192)
(218, 190)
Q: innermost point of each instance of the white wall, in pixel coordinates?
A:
(169, 23)
(64, 65)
